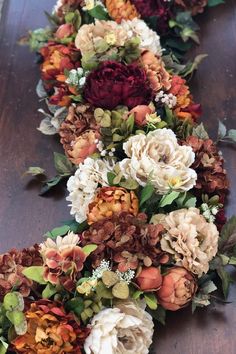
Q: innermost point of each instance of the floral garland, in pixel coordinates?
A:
(147, 189)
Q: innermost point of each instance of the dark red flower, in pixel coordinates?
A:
(114, 84)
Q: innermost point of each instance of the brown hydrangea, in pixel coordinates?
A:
(127, 241)
(121, 10)
(11, 266)
(64, 6)
(209, 165)
(195, 6)
(79, 121)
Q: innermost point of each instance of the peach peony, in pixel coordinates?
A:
(112, 200)
(177, 290)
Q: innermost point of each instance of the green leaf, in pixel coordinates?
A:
(227, 239)
(110, 178)
(3, 345)
(151, 300)
(50, 184)
(232, 135)
(146, 193)
(99, 12)
(35, 273)
(212, 3)
(159, 315)
(34, 171)
(194, 65)
(13, 301)
(225, 280)
(130, 123)
(88, 249)
(49, 291)
(75, 226)
(200, 132)
(221, 130)
(168, 199)
(136, 295)
(75, 305)
(191, 202)
(130, 184)
(63, 164)
(58, 231)
(15, 317)
(103, 292)
(232, 261)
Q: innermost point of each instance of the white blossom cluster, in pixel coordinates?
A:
(168, 99)
(76, 77)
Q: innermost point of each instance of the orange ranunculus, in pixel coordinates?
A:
(158, 77)
(83, 146)
(121, 10)
(50, 330)
(111, 200)
(149, 278)
(177, 290)
(185, 108)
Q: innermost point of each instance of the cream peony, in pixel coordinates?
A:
(125, 329)
(82, 186)
(149, 39)
(89, 36)
(191, 240)
(157, 157)
(62, 243)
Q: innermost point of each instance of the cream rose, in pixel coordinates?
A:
(157, 157)
(191, 240)
(125, 329)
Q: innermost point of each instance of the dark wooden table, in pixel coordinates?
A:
(24, 217)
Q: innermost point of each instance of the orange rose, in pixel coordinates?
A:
(65, 30)
(112, 200)
(149, 279)
(140, 113)
(177, 290)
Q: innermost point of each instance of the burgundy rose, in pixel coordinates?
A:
(114, 84)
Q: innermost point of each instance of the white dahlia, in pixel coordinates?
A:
(125, 329)
(82, 186)
(158, 158)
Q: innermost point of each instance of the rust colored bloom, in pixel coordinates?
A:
(126, 240)
(64, 6)
(156, 73)
(140, 114)
(112, 200)
(63, 260)
(149, 278)
(77, 124)
(64, 31)
(50, 330)
(209, 165)
(177, 290)
(121, 10)
(185, 109)
(195, 6)
(56, 59)
(11, 267)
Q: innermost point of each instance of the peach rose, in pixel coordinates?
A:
(83, 146)
(140, 113)
(150, 278)
(65, 30)
(177, 290)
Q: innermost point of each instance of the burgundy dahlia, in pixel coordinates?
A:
(114, 84)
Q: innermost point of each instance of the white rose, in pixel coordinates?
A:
(157, 157)
(125, 329)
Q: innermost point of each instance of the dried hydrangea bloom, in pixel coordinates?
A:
(209, 165)
(121, 10)
(157, 75)
(63, 260)
(195, 6)
(89, 36)
(12, 264)
(62, 7)
(190, 239)
(111, 200)
(50, 330)
(127, 241)
(157, 157)
(124, 329)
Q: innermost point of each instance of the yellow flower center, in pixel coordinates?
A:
(153, 118)
(174, 181)
(89, 4)
(110, 38)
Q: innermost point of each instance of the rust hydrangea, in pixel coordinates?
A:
(50, 330)
(126, 240)
(112, 200)
(12, 264)
(195, 6)
(121, 10)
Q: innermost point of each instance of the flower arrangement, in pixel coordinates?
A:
(146, 189)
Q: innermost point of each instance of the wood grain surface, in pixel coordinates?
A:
(24, 217)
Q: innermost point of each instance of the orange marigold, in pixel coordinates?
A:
(112, 200)
(121, 10)
(50, 330)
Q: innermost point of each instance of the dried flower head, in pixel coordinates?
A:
(121, 10)
(112, 200)
(126, 240)
(195, 6)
